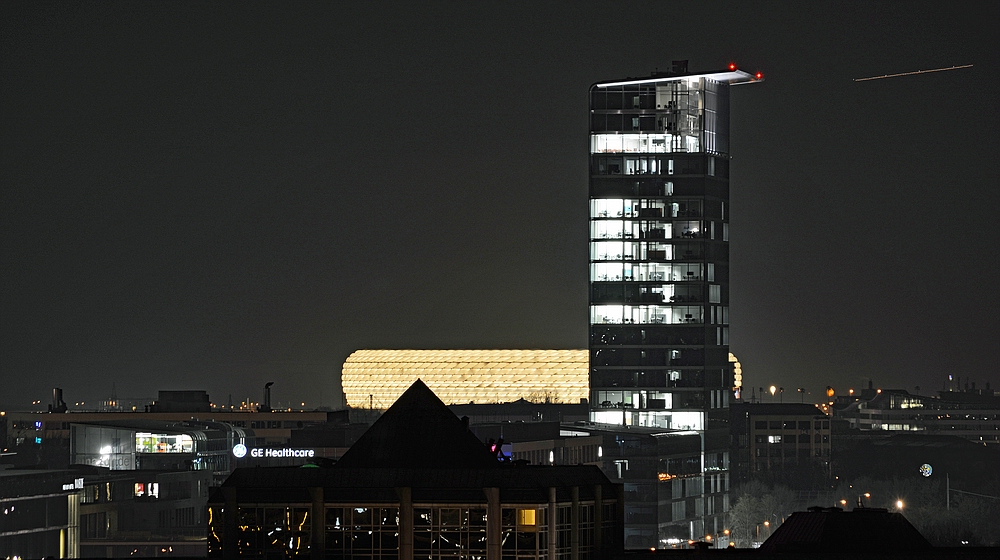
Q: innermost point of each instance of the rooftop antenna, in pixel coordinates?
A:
(266, 405)
(57, 401)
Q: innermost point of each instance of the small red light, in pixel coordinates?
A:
(732, 66)
(759, 75)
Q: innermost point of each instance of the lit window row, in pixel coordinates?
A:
(682, 137)
(163, 443)
(650, 272)
(615, 229)
(646, 314)
(643, 208)
(682, 420)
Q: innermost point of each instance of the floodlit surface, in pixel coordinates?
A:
(377, 377)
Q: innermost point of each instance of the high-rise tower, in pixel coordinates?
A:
(659, 266)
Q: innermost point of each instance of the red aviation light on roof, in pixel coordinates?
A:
(732, 66)
(758, 75)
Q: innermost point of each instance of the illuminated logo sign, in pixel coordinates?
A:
(926, 469)
(75, 485)
(240, 451)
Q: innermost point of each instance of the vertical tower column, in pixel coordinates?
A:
(230, 519)
(574, 524)
(405, 523)
(317, 534)
(494, 528)
(598, 519)
(553, 534)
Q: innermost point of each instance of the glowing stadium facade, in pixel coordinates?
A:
(376, 378)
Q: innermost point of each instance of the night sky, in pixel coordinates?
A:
(210, 197)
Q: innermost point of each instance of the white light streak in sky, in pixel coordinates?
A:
(912, 73)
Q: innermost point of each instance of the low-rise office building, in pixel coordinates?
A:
(673, 491)
(39, 513)
(142, 513)
(417, 484)
(782, 439)
(971, 415)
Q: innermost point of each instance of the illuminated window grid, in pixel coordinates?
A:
(464, 376)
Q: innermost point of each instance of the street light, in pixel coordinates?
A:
(899, 505)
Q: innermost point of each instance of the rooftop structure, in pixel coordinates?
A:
(376, 378)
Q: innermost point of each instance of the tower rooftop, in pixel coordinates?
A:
(732, 77)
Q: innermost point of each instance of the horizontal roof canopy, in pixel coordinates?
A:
(731, 77)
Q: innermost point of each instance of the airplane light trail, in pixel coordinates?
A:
(911, 73)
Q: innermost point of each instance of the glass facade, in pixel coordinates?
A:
(659, 276)
(163, 443)
(440, 531)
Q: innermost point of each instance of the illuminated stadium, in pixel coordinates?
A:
(375, 378)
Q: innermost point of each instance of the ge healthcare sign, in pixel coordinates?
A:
(240, 451)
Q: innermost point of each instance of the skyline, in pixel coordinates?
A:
(216, 198)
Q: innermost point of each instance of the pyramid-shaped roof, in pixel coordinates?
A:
(872, 530)
(418, 431)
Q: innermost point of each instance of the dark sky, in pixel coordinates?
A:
(213, 196)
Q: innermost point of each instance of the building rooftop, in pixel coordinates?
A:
(731, 75)
(418, 431)
(417, 443)
(779, 409)
(833, 530)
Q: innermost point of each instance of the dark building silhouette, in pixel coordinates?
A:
(181, 401)
(832, 534)
(777, 440)
(417, 484)
(824, 530)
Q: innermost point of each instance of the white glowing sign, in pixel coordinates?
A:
(75, 485)
(240, 451)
